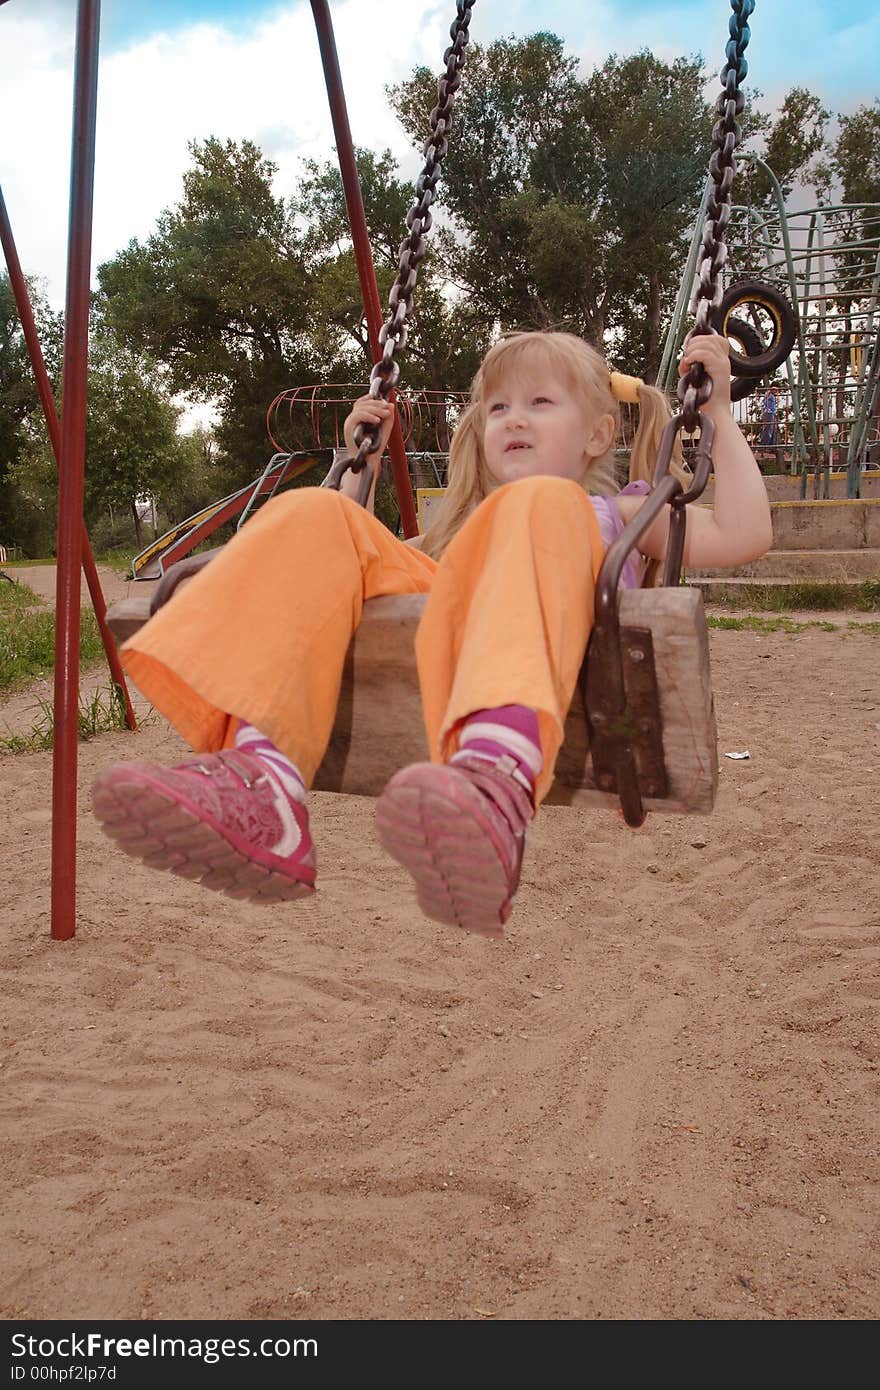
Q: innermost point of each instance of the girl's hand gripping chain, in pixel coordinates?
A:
(737, 527)
(713, 352)
(366, 411)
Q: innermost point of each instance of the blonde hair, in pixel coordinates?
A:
(585, 373)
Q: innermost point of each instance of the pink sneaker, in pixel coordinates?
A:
(459, 829)
(221, 818)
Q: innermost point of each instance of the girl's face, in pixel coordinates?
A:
(534, 427)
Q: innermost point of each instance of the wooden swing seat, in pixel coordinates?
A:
(379, 726)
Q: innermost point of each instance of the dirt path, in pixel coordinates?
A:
(42, 578)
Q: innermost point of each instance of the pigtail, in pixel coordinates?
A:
(653, 418)
(465, 486)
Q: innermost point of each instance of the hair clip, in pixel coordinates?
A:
(625, 388)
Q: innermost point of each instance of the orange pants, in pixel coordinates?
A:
(261, 633)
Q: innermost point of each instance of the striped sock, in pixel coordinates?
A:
(509, 732)
(250, 740)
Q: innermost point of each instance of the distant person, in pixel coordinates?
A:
(770, 421)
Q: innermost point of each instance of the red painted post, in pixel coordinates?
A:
(71, 473)
(361, 240)
(53, 425)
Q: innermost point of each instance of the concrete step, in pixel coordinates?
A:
(836, 524)
(796, 565)
(830, 525)
(719, 590)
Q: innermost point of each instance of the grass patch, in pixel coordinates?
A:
(100, 714)
(755, 624)
(27, 644)
(119, 558)
(14, 598)
(778, 598)
(752, 623)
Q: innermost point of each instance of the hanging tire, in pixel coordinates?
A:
(743, 333)
(752, 344)
(777, 313)
(742, 386)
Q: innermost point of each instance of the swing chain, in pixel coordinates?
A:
(393, 333)
(695, 388)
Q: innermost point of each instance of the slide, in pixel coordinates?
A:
(160, 554)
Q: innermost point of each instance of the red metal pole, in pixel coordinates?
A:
(53, 425)
(72, 470)
(361, 239)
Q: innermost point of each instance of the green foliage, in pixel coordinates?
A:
(117, 557)
(221, 294)
(132, 445)
(320, 202)
(570, 199)
(755, 624)
(446, 339)
(792, 143)
(187, 295)
(853, 162)
(864, 597)
(202, 476)
(22, 520)
(27, 644)
(16, 597)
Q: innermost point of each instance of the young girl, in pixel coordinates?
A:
(246, 659)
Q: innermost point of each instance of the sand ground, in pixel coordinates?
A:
(657, 1098)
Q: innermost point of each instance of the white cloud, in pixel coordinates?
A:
(156, 95)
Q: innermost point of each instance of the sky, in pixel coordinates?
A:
(176, 70)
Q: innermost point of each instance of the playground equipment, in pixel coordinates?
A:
(305, 425)
(312, 416)
(825, 261)
(177, 542)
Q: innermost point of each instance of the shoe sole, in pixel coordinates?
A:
(435, 824)
(151, 826)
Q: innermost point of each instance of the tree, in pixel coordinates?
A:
(570, 200)
(447, 335)
(854, 158)
(132, 446)
(220, 294)
(201, 477)
(654, 127)
(21, 418)
(793, 145)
